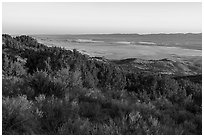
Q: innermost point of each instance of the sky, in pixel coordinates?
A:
(92, 18)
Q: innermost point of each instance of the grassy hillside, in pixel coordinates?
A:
(54, 91)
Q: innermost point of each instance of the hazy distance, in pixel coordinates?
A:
(86, 18)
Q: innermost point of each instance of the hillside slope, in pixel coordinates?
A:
(54, 91)
(163, 66)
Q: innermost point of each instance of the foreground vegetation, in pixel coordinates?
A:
(50, 90)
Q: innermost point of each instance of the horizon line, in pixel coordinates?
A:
(107, 33)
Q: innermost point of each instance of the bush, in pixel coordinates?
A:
(54, 112)
(15, 86)
(18, 116)
(11, 67)
(42, 83)
(76, 126)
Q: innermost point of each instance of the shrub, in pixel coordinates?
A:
(76, 126)
(18, 116)
(42, 83)
(13, 68)
(14, 86)
(55, 112)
